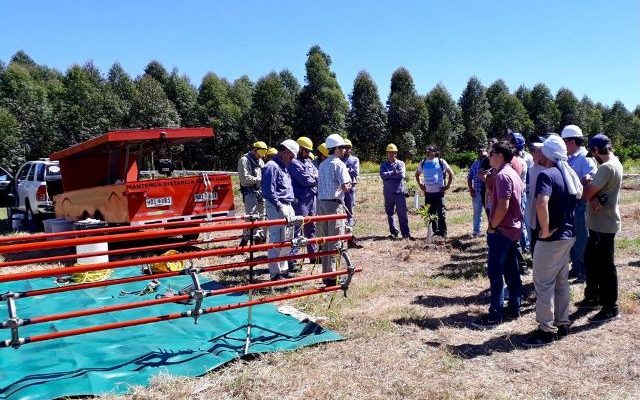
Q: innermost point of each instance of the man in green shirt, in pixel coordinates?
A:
(603, 221)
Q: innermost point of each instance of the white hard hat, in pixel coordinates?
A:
(571, 131)
(335, 140)
(292, 146)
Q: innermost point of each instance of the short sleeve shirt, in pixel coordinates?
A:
(433, 172)
(332, 174)
(561, 203)
(609, 178)
(508, 185)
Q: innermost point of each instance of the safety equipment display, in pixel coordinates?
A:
(334, 140)
(392, 147)
(571, 131)
(305, 143)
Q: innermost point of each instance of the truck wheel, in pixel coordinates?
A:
(33, 221)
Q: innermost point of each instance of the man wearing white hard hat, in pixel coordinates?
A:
(278, 193)
(333, 181)
(557, 190)
(586, 169)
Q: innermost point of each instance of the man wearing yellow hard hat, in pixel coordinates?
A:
(250, 176)
(304, 179)
(270, 153)
(323, 153)
(393, 173)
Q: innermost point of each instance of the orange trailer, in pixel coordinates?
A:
(101, 180)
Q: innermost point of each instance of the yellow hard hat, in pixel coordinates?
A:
(305, 143)
(272, 151)
(312, 156)
(392, 147)
(348, 142)
(323, 150)
(168, 266)
(260, 145)
(261, 152)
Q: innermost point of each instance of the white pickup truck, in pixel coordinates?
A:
(34, 186)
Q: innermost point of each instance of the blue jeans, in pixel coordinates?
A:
(503, 263)
(396, 202)
(525, 239)
(582, 235)
(349, 202)
(477, 212)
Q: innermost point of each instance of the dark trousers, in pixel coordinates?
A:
(602, 278)
(435, 201)
(502, 266)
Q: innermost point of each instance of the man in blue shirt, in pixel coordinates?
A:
(304, 178)
(393, 172)
(435, 185)
(476, 190)
(586, 169)
(353, 166)
(278, 193)
(557, 190)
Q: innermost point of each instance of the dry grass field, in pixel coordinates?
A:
(407, 327)
(406, 322)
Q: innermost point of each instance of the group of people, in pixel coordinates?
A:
(558, 204)
(294, 182)
(554, 202)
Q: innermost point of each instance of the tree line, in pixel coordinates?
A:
(43, 110)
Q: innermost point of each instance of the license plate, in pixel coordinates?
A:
(159, 202)
(206, 196)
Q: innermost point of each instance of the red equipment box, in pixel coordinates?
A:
(101, 180)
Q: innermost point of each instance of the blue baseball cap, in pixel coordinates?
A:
(600, 141)
(518, 140)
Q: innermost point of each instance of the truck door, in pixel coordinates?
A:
(5, 187)
(20, 186)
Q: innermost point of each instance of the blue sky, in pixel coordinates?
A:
(592, 47)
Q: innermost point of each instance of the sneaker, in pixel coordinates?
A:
(408, 237)
(510, 315)
(587, 304)
(393, 236)
(539, 338)
(294, 267)
(353, 244)
(330, 281)
(563, 330)
(605, 315)
(279, 277)
(486, 322)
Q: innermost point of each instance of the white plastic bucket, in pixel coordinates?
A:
(92, 248)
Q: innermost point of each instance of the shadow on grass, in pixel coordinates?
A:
(465, 270)
(501, 344)
(458, 320)
(441, 301)
(634, 263)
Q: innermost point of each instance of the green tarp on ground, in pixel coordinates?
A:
(112, 361)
